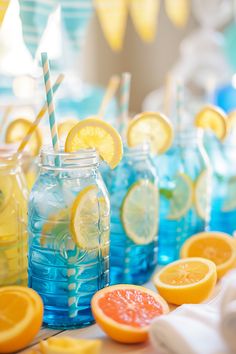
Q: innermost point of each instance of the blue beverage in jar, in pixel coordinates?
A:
(68, 236)
(223, 159)
(134, 217)
(185, 184)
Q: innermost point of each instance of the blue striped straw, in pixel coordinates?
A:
(50, 103)
(124, 101)
(71, 276)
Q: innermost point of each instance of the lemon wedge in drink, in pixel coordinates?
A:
(17, 130)
(153, 128)
(94, 133)
(89, 217)
(214, 119)
(181, 197)
(68, 345)
(139, 212)
(202, 194)
(65, 127)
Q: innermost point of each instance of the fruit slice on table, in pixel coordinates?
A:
(21, 313)
(94, 133)
(230, 199)
(65, 127)
(202, 194)
(125, 312)
(139, 212)
(187, 281)
(6, 187)
(215, 246)
(17, 130)
(67, 345)
(153, 128)
(181, 197)
(214, 119)
(86, 213)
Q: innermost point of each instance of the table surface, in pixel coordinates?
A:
(94, 332)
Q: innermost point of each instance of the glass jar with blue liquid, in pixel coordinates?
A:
(133, 188)
(68, 228)
(223, 159)
(185, 192)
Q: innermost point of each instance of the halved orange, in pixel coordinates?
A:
(21, 314)
(187, 281)
(216, 246)
(125, 312)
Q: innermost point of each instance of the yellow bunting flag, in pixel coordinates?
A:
(112, 15)
(144, 14)
(3, 9)
(177, 11)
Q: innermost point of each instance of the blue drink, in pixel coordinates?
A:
(134, 217)
(223, 158)
(69, 237)
(184, 181)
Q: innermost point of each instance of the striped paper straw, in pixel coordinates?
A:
(39, 116)
(34, 16)
(109, 94)
(50, 103)
(75, 15)
(124, 100)
(71, 274)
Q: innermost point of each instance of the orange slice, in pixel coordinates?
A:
(21, 314)
(216, 246)
(214, 119)
(187, 281)
(125, 312)
(17, 130)
(67, 345)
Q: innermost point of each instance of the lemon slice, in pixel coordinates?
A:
(6, 187)
(90, 219)
(95, 133)
(153, 128)
(181, 197)
(213, 118)
(139, 212)
(17, 130)
(65, 127)
(68, 345)
(230, 200)
(202, 195)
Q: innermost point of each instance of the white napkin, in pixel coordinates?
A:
(195, 329)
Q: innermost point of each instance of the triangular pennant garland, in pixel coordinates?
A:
(3, 9)
(177, 11)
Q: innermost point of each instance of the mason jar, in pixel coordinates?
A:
(133, 188)
(69, 226)
(185, 193)
(13, 219)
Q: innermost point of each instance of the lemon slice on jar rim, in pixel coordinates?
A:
(97, 134)
(153, 128)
